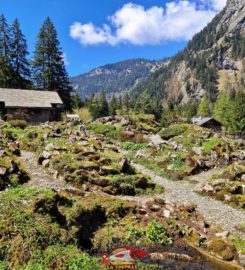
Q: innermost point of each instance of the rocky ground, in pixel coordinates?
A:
(160, 191)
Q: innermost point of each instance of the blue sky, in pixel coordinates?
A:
(97, 32)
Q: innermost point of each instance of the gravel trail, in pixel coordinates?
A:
(39, 177)
(215, 212)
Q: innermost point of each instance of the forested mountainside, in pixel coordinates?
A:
(213, 61)
(114, 78)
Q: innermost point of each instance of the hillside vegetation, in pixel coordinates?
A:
(114, 78)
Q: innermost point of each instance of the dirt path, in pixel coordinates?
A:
(215, 212)
(204, 176)
(39, 177)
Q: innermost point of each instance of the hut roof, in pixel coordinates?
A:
(203, 120)
(18, 98)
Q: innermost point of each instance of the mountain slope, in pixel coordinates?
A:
(213, 61)
(114, 78)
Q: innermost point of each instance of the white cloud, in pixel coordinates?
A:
(136, 25)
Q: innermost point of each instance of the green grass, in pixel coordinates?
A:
(210, 144)
(107, 130)
(173, 131)
(133, 146)
(239, 244)
(16, 132)
(101, 128)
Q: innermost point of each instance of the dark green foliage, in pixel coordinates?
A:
(113, 106)
(239, 112)
(238, 47)
(190, 109)
(98, 105)
(146, 104)
(203, 108)
(230, 111)
(77, 102)
(4, 39)
(49, 71)
(19, 62)
(6, 71)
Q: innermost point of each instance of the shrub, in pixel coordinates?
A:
(156, 233)
(18, 123)
(210, 144)
(19, 114)
(84, 114)
(172, 131)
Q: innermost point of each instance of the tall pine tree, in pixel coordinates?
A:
(113, 106)
(103, 105)
(6, 72)
(4, 39)
(49, 71)
(19, 62)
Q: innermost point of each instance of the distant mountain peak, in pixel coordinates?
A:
(115, 78)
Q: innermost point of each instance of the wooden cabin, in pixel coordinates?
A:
(41, 106)
(207, 122)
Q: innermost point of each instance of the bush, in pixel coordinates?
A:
(19, 114)
(84, 114)
(210, 144)
(18, 123)
(172, 131)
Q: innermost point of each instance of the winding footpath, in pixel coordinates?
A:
(178, 192)
(214, 212)
(40, 178)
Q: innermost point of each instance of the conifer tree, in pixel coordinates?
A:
(6, 72)
(113, 106)
(19, 62)
(126, 101)
(94, 106)
(203, 108)
(48, 64)
(239, 112)
(120, 104)
(103, 105)
(4, 39)
(223, 109)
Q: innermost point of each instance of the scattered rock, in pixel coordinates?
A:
(45, 163)
(141, 182)
(155, 207)
(223, 234)
(141, 154)
(208, 188)
(106, 170)
(241, 258)
(3, 171)
(124, 165)
(166, 213)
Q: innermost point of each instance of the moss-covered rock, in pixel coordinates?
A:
(221, 249)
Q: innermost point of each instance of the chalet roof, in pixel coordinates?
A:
(18, 98)
(203, 120)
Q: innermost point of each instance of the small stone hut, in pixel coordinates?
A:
(41, 106)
